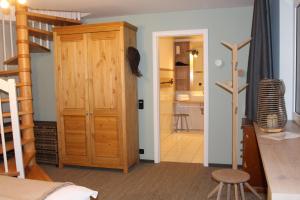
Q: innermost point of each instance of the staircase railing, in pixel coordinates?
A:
(24, 31)
(7, 19)
(9, 87)
(48, 27)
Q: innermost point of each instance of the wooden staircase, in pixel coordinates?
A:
(22, 74)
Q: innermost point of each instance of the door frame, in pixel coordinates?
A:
(156, 87)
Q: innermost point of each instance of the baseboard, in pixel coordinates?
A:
(146, 161)
(222, 165)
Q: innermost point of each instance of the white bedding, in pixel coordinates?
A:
(73, 192)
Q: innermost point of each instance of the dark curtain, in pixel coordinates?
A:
(260, 64)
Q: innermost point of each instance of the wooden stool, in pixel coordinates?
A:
(181, 116)
(230, 177)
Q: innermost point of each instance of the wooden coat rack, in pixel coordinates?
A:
(232, 87)
(233, 176)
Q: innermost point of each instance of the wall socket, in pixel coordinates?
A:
(141, 151)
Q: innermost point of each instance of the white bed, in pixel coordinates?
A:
(73, 192)
(25, 189)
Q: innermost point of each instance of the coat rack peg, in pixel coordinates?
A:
(225, 86)
(236, 65)
(227, 45)
(244, 43)
(243, 88)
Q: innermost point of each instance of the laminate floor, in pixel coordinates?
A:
(186, 147)
(146, 181)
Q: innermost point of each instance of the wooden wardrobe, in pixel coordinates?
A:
(96, 96)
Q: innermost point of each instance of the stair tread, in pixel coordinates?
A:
(39, 33)
(35, 172)
(8, 129)
(12, 174)
(8, 114)
(33, 47)
(10, 145)
(6, 100)
(11, 61)
(37, 48)
(9, 72)
(27, 157)
(49, 19)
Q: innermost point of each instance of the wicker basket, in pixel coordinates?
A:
(271, 111)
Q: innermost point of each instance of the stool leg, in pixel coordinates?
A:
(213, 191)
(186, 123)
(177, 120)
(181, 122)
(253, 191)
(242, 191)
(228, 191)
(236, 194)
(220, 191)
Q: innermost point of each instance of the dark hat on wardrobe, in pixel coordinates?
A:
(134, 57)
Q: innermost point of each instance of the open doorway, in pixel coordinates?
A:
(181, 96)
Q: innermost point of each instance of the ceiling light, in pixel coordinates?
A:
(22, 2)
(4, 4)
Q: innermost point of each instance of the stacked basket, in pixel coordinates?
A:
(46, 142)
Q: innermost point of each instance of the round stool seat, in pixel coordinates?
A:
(230, 176)
(183, 114)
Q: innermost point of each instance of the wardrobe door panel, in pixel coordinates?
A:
(104, 68)
(106, 137)
(73, 98)
(75, 139)
(104, 91)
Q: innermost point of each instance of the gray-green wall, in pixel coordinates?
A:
(232, 25)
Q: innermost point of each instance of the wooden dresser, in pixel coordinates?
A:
(96, 95)
(251, 158)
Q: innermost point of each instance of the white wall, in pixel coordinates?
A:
(167, 92)
(286, 70)
(198, 63)
(166, 52)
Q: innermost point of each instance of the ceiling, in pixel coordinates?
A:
(106, 8)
